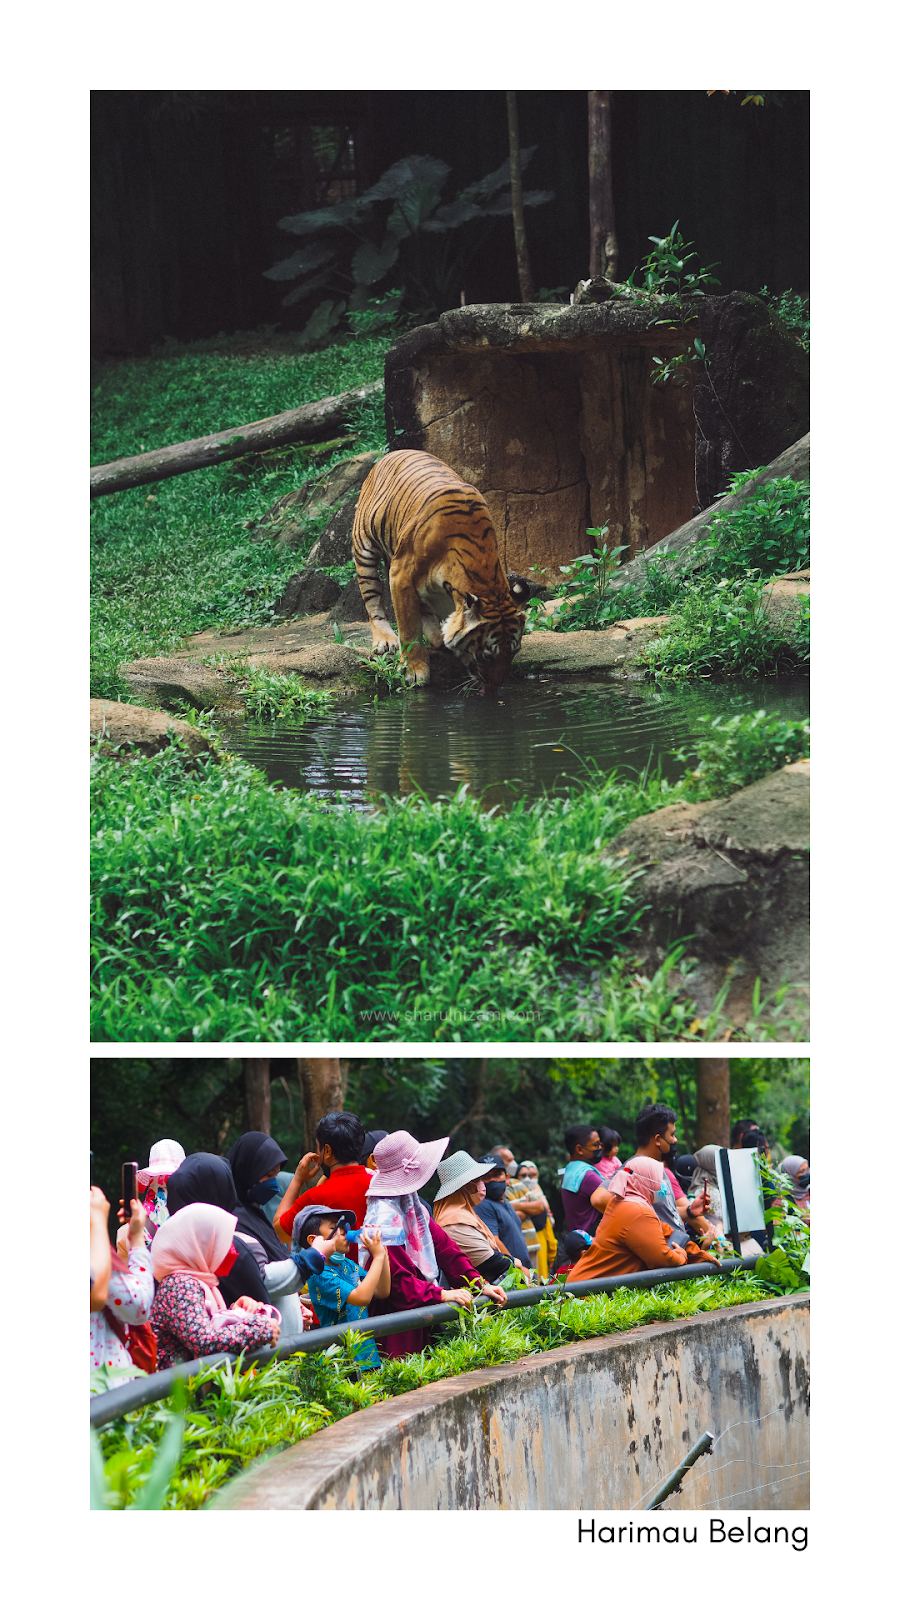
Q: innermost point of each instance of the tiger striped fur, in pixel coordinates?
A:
(435, 533)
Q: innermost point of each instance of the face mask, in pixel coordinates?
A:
(664, 1190)
(224, 1267)
(495, 1191)
(511, 1169)
(259, 1193)
(803, 1181)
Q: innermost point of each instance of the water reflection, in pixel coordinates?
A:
(538, 736)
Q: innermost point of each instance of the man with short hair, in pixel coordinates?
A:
(499, 1215)
(739, 1129)
(584, 1195)
(656, 1136)
(340, 1138)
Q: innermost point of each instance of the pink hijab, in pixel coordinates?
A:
(641, 1178)
(196, 1241)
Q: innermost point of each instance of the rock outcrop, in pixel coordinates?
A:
(730, 878)
(135, 730)
(551, 413)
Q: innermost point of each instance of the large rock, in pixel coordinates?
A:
(284, 522)
(139, 731)
(686, 544)
(550, 412)
(307, 593)
(731, 879)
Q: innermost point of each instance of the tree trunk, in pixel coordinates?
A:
(257, 1096)
(322, 1083)
(713, 1102)
(321, 419)
(526, 285)
(604, 259)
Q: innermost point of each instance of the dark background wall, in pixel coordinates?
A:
(188, 187)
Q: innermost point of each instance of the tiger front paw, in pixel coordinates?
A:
(418, 666)
(383, 641)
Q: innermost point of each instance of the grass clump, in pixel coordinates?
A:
(733, 752)
(281, 694)
(173, 558)
(241, 1415)
(723, 630)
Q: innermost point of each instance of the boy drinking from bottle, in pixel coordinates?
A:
(340, 1293)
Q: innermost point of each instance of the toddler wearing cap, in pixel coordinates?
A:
(339, 1292)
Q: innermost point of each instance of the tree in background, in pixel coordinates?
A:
(523, 264)
(322, 1082)
(604, 257)
(713, 1119)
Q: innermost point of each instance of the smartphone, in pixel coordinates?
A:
(129, 1184)
(705, 1195)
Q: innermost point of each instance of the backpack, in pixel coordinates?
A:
(139, 1340)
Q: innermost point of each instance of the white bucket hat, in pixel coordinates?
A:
(458, 1170)
(165, 1157)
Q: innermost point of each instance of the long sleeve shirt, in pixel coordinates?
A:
(629, 1238)
(184, 1328)
(410, 1289)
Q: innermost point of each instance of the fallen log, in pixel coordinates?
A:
(318, 420)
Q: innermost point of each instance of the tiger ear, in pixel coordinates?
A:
(471, 602)
(519, 588)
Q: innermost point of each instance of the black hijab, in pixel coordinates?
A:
(249, 1157)
(206, 1179)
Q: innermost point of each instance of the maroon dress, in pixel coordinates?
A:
(409, 1289)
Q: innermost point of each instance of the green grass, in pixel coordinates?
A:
(242, 1416)
(172, 558)
(227, 910)
(733, 752)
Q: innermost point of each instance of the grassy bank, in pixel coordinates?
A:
(171, 558)
(239, 1418)
(225, 909)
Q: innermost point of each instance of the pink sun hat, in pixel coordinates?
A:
(404, 1164)
(165, 1157)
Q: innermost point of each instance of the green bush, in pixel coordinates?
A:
(722, 629)
(768, 533)
(243, 1415)
(793, 309)
(736, 751)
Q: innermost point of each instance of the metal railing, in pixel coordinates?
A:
(139, 1392)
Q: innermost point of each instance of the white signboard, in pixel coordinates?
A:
(745, 1183)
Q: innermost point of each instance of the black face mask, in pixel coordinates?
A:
(494, 1191)
(803, 1181)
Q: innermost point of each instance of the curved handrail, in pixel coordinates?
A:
(139, 1392)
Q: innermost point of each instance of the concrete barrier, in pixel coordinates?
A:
(590, 1426)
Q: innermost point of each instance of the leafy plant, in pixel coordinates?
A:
(281, 694)
(587, 580)
(765, 534)
(388, 672)
(358, 242)
(793, 309)
(724, 629)
(665, 271)
(737, 751)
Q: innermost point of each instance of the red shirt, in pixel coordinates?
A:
(344, 1190)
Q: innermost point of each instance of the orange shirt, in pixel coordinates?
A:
(629, 1238)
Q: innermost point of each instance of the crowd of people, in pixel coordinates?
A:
(228, 1254)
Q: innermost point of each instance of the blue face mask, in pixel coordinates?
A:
(259, 1193)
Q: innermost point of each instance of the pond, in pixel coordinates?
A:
(540, 735)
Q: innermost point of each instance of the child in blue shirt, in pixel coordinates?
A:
(339, 1292)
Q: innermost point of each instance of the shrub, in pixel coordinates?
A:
(766, 534)
(739, 750)
(723, 629)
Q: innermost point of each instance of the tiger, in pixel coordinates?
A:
(435, 533)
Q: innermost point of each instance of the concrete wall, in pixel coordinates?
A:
(591, 1426)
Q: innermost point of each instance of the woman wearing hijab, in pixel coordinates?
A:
(254, 1160)
(630, 1236)
(546, 1238)
(403, 1166)
(462, 1187)
(797, 1169)
(705, 1173)
(121, 1291)
(190, 1253)
(206, 1179)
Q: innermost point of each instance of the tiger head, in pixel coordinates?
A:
(485, 632)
